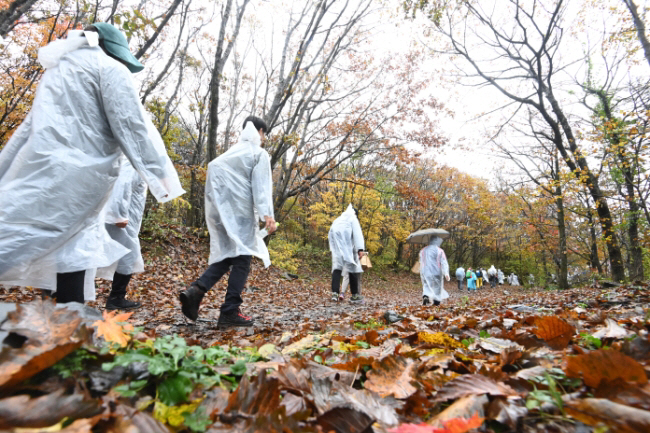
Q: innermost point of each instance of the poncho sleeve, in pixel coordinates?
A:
(117, 210)
(357, 235)
(136, 135)
(262, 183)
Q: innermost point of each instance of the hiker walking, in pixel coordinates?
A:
(347, 247)
(59, 167)
(433, 268)
(238, 194)
(123, 220)
(460, 276)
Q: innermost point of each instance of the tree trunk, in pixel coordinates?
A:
(561, 226)
(640, 28)
(220, 57)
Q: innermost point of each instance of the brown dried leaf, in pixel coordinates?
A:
(51, 334)
(259, 396)
(554, 331)
(473, 384)
(23, 411)
(625, 393)
(391, 376)
(603, 366)
(611, 330)
(620, 418)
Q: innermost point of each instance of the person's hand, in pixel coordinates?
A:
(270, 224)
(447, 277)
(361, 254)
(122, 224)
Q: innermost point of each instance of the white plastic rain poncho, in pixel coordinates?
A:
(500, 276)
(126, 204)
(492, 272)
(433, 269)
(239, 194)
(514, 281)
(460, 274)
(58, 168)
(346, 239)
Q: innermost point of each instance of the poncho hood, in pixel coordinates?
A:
(250, 135)
(50, 55)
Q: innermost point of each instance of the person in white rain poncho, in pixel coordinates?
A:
(238, 194)
(460, 276)
(58, 169)
(347, 247)
(492, 275)
(123, 219)
(433, 268)
(500, 276)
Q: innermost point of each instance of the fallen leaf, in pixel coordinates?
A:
(454, 425)
(620, 418)
(344, 420)
(391, 376)
(498, 345)
(506, 411)
(625, 393)
(259, 396)
(554, 331)
(602, 366)
(439, 339)
(46, 334)
(611, 330)
(23, 411)
(473, 384)
(113, 326)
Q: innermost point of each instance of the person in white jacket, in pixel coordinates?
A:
(433, 269)
(347, 247)
(58, 169)
(123, 220)
(238, 194)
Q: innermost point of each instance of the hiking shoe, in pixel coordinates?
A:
(426, 301)
(335, 297)
(341, 297)
(234, 319)
(121, 304)
(191, 300)
(356, 299)
(436, 303)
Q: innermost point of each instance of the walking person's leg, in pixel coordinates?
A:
(336, 283)
(191, 298)
(230, 314)
(70, 287)
(117, 298)
(346, 283)
(355, 287)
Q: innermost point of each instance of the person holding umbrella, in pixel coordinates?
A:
(433, 264)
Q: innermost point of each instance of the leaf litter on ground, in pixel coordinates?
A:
(496, 360)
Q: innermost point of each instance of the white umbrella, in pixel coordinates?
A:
(424, 236)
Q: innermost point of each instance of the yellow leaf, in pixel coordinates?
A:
(112, 327)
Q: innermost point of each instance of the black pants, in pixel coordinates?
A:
(460, 284)
(118, 289)
(70, 287)
(239, 267)
(355, 280)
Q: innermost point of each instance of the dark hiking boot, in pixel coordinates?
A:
(436, 303)
(191, 301)
(426, 301)
(356, 299)
(235, 319)
(121, 304)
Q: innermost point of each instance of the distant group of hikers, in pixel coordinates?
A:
(434, 268)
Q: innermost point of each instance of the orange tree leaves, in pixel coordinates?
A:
(112, 327)
(48, 333)
(604, 366)
(391, 376)
(554, 331)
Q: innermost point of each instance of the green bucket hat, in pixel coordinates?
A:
(115, 43)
